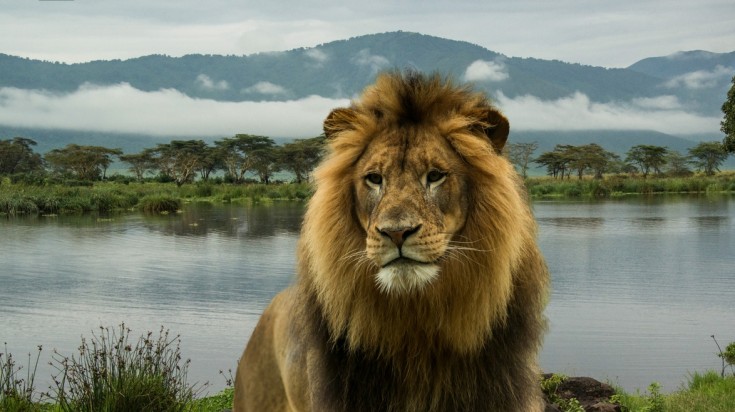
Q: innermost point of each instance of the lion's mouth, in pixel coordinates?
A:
(402, 260)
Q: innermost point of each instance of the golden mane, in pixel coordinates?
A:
(414, 179)
(460, 309)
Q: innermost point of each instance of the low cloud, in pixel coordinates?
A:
(317, 56)
(206, 83)
(486, 71)
(577, 112)
(266, 88)
(373, 61)
(122, 108)
(667, 102)
(701, 79)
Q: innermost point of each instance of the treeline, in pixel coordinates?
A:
(179, 161)
(592, 159)
(246, 157)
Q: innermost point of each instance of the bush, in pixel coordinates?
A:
(111, 374)
(159, 204)
(204, 190)
(17, 205)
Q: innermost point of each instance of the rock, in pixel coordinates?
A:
(593, 395)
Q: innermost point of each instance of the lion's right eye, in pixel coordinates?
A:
(374, 178)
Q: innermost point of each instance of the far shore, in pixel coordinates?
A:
(120, 193)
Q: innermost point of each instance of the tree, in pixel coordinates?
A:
(248, 153)
(677, 164)
(140, 163)
(209, 161)
(596, 158)
(17, 156)
(708, 156)
(520, 155)
(555, 161)
(82, 162)
(302, 156)
(179, 160)
(728, 122)
(647, 158)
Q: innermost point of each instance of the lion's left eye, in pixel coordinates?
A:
(435, 176)
(374, 178)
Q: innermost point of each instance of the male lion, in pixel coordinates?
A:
(420, 284)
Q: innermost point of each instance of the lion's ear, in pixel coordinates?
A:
(497, 130)
(338, 120)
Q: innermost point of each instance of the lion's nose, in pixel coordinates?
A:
(399, 235)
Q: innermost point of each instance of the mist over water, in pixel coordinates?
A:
(638, 285)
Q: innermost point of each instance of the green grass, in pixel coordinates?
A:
(707, 392)
(23, 199)
(70, 197)
(214, 403)
(622, 185)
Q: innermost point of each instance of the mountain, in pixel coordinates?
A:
(683, 63)
(343, 68)
(692, 82)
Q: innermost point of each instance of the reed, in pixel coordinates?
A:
(16, 390)
(112, 373)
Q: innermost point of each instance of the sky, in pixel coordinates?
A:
(596, 32)
(592, 32)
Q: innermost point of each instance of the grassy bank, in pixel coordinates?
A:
(624, 185)
(706, 392)
(18, 199)
(113, 371)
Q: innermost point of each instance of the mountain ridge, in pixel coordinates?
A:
(692, 81)
(342, 68)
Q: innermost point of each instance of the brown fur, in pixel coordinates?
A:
(464, 340)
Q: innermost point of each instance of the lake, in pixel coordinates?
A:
(639, 285)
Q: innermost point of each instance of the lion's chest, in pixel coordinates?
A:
(432, 382)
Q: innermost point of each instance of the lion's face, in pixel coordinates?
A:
(411, 199)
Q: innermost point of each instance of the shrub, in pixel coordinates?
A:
(17, 205)
(204, 190)
(112, 374)
(159, 204)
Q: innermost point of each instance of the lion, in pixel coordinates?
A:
(420, 285)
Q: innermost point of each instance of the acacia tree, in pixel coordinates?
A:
(596, 158)
(302, 156)
(248, 153)
(140, 163)
(209, 161)
(555, 162)
(677, 164)
(179, 160)
(520, 155)
(708, 156)
(82, 162)
(17, 156)
(560, 161)
(647, 158)
(728, 122)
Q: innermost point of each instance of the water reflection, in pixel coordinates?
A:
(251, 221)
(573, 222)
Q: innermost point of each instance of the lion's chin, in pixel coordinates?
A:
(404, 277)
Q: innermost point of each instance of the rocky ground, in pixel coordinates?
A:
(593, 395)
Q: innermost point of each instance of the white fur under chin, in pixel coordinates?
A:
(403, 277)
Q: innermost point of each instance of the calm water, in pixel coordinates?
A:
(638, 285)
